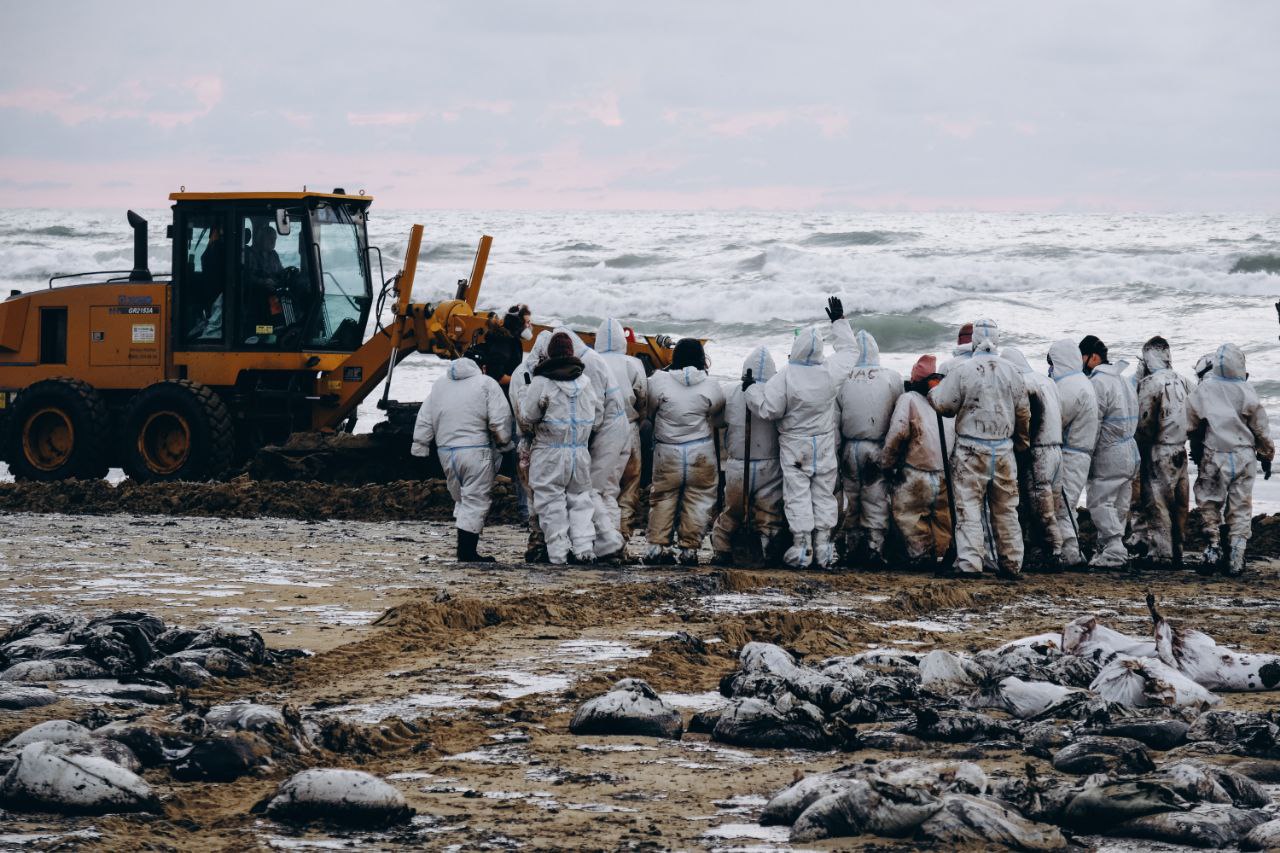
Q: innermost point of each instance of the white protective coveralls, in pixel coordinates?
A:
(959, 355)
(467, 416)
(1079, 404)
(610, 448)
(1115, 462)
(766, 475)
(561, 414)
(685, 407)
(1042, 484)
(633, 389)
(912, 448)
(845, 351)
(864, 405)
(988, 398)
(516, 390)
(801, 399)
(1225, 408)
(1160, 518)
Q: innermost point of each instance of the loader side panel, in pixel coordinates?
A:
(113, 336)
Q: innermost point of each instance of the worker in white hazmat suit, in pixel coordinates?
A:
(844, 346)
(521, 377)
(988, 398)
(560, 409)
(610, 449)
(963, 350)
(1079, 405)
(765, 475)
(801, 399)
(1115, 454)
(1040, 476)
(1229, 430)
(1159, 522)
(685, 407)
(633, 391)
(912, 463)
(467, 416)
(864, 404)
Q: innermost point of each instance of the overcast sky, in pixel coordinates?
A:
(841, 105)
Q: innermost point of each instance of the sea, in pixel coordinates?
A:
(741, 279)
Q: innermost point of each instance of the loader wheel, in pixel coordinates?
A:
(58, 430)
(176, 430)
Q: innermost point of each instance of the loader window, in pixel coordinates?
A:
(204, 282)
(277, 292)
(53, 335)
(339, 324)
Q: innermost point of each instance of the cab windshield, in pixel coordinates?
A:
(344, 285)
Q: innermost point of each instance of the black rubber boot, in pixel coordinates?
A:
(467, 543)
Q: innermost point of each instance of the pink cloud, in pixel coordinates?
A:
(602, 108)
(830, 121)
(958, 128)
(387, 119)
(130, 100)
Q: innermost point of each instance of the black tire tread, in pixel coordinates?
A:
(96, 461)
(221, 428)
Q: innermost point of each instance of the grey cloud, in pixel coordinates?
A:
(1163, 104)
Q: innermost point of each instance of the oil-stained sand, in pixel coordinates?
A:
(457, 683)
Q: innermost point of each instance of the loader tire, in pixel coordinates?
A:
(176, 430)
(58, 429)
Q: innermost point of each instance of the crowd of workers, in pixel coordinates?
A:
(834, 459)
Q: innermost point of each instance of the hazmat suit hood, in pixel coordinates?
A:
(986, 337)
(806, 349)
(463, 368)
(689, 376)
(1155, 357)
(611, 337)
(868, 349)
(539, 349)
(1064, 358)
(1015, 355)
(1228, 363)
(760, 363)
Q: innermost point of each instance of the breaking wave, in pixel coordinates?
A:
(858, 238)
(1257, 263)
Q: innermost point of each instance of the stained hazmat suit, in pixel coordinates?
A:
(610, 449)
(1041, 481)
(1079, 405)
(633, 389)
(1229, 429)
(1115, 455)
(912, 462)
(765, 475)
(561, 409)
(864, 405)
(1159, 522)
(801, 400)
(467, 416)
(685, 407)
(988, 398)
(536, 549)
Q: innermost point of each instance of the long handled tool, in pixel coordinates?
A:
(950, 557)
(746, 463)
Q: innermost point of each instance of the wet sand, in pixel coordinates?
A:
(458, 682)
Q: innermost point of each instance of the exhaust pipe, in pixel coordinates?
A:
(140, 270)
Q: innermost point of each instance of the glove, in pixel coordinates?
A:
(835, 308)
(1266, 468)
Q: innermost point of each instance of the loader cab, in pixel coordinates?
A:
(270, 272)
